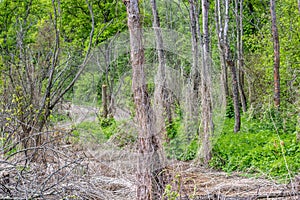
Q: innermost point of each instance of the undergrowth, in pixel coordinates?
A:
(118, 132)
(265, 146)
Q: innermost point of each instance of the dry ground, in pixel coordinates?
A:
(104, 171)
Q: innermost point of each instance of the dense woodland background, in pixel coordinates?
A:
(213, 83)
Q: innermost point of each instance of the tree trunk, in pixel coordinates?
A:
(299, 5)
(276, 55)
(206, 98)
(225, 54)
(240, 59)
(104, 101)
(219, 32)
(163, 108)
(195, 75)
(193, 111)
(231, 64)
(149, 160)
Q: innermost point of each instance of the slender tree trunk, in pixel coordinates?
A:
(195, 75)
(193, 112)
(231, 64)
(299, 5)
(276, 55)
(225, 54)
(104, 101)
(206, 98)
(149, 160)
(163, 110)
(219, 32)
(240, 60)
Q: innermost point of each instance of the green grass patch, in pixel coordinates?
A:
(88, 132)
(119, 132)
(256, 148)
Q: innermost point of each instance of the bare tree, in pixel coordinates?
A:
(206, 84)
(149, 160)
(39, 76)
(276, 55)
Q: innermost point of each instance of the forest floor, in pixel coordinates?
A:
(112, 172)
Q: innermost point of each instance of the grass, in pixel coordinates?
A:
(257, 148)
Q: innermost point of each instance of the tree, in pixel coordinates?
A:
(220, 34)
(163, 110)
(206, 84)
(149, 160)
(240, 55)
(276, 55)
(225, 51)
(39, 72)
(195, 74)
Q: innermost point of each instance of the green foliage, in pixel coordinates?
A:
(172, 191)
(256, 148)
(169, 193)
(58, 117)
(85, 132)
(229, 108)
(120, 133)
(108, 126)
(125, 135)
(85, 89)
(179, 147)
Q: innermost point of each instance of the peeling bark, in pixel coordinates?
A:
(149, 160)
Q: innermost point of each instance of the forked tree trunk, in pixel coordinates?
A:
(206, 98)
(276, 55)
(149, 160)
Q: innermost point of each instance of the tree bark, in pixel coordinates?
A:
(149, 160)
(276, 55)
(206, 98)
(299, 5)
(230, 62)
(225, 54)
(195, 74)
(104, 101)
(240, 59)
(163, 108)
(219, 32)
